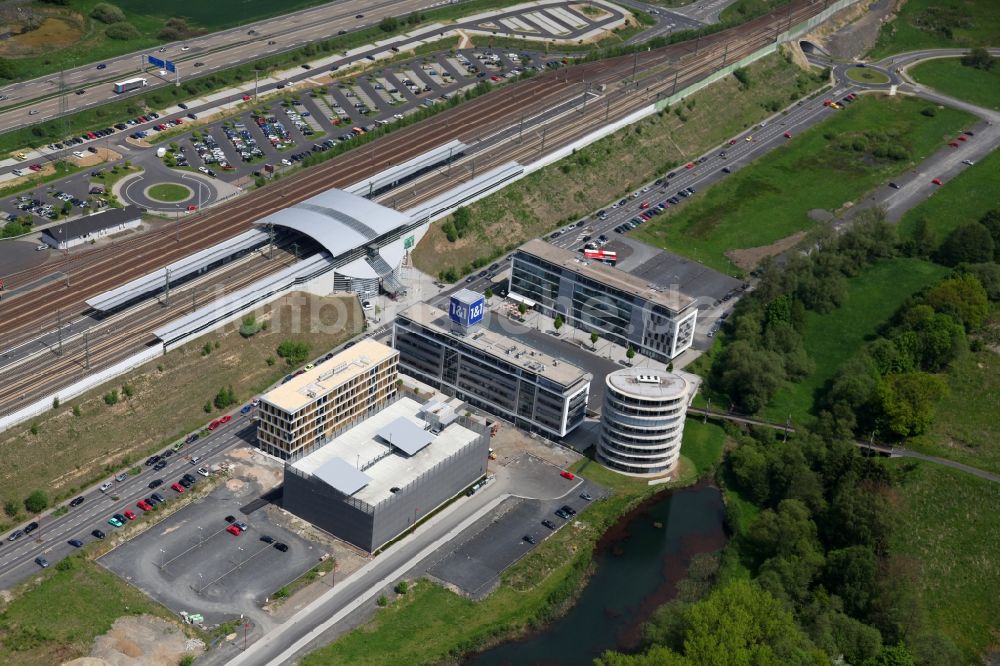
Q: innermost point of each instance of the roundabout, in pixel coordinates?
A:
(168, 192)
(867, 75)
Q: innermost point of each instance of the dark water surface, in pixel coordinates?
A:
(638, 566)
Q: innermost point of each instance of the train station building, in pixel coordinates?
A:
(92, 227)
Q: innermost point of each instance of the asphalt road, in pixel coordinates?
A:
(50, 539)
(217, 50)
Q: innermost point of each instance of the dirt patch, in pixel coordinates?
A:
(510, 443)
(852, 32)
(55, 32)
(749, 258)
(142, 639)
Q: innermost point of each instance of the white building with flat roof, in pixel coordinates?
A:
(378, 477)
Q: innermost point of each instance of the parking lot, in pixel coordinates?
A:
(190, 562)
(482, 552)
(331, 110)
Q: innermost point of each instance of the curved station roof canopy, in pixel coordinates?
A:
(338, 220)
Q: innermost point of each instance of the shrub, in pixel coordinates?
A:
(76, 410)
(55, 402)
(122, 31)
(270, 360)
(250, 327)
(206, 349)
(37, 502)
(34, 428)
(207, 407)
(186, 660)
(128, 390)
(294, 353)
(11, 508)
(930, 112)
(107, 13)
(979, 58)
(225, 397)
(111, 398)
(743, 76)
(383, 601)
(402, 587)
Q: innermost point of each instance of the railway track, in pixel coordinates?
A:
(647, 75)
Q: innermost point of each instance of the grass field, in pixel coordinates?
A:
(831, 339)
(605, 170)
(950, 76)
(168, 192)
(825, 167)
(57, 618)
(947, 521)
(925, 24)
(70, 452)
(743, 10)
(959, 201)
(965, 425)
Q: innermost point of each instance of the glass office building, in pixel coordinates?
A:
(493, 372)
(595, 297)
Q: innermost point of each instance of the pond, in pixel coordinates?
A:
(638, 564)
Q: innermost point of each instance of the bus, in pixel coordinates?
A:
(131, 84)
(607, 256)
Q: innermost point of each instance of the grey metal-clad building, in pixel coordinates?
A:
(363, 488)
(589, 295)
(493, 372)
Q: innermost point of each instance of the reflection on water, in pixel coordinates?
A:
(638, 565)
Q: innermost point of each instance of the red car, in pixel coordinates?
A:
(962, 138)
(644, 204)
(567, 475)
(226, 419)
(494, 78)
(732, 142)
(235, 531)
(689, 165)
(178, 487)
(827, 102)
(130, 515)
(246, 98)
(788, 135)
(35, 167)
(214, 424)
(191, 208)
(91, 135)
(144, 505)
(936, 181)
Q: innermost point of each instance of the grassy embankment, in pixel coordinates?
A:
(69, 452)
(742, 10)
(946, 530)
(611, 167)
(831, 339)
(55, 617)
(832, 164)
(431, 624)
(928, 24)
(951, 77)
(113, 112)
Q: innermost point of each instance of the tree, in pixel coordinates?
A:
(908, 401)
(630, 353)
(749, 376)
(11, 508)
(594, 337)
(488, 293)
(7, 69)
(743, 76)
(123, 31)
(969, 243)
(107, 13)
(522, 308)
(962, 297)
(891, 655)
(991, 220)
(979, 58)
(37, 501)
(923, 238)
(852, 574)
(388, 24)
(988, 275)
(294, 353)
(558, 322)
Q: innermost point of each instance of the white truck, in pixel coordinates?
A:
(130, 84)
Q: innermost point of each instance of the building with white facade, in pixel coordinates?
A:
(642, 421)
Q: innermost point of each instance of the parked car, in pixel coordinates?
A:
(76, 543)
(567, 475)
(530, 539)
(234, 530)
(280, 546)
(30, 527)
(97, 534)
(177, 487)
(114, 522)
(41, 561)
(130, 514)
(77, 501)
(549, 524)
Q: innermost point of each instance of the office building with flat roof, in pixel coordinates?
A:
(301, 413)
(378, 477)
(589, 295)
(448, 351)
(642, 421)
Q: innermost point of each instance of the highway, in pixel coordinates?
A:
(218, 50)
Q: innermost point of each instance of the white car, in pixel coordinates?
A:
(41, 248)
(106, 486)
(367, 305)
(286, 162)
(203, 471)
(203, 169)
(77, 153)
(17, 172)
(185, 48)
(969, 162)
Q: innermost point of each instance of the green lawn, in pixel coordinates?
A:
(58, 619)
(833, 163)
(702, 444)
(965, 427)
(867, 75)
(959, 201)
(947, 521)
(831, 339)
(169, 192)
(951, 77)
(923, 24)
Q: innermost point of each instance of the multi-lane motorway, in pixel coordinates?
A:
(217, 50)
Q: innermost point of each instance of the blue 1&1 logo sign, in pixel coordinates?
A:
(467, 314)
